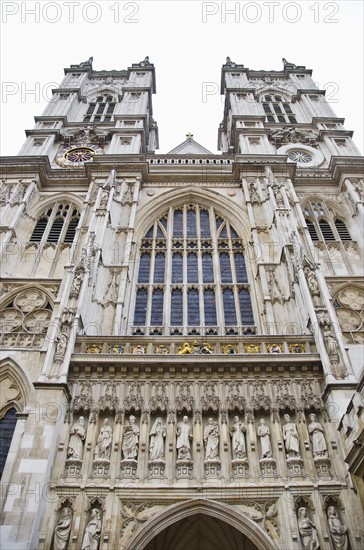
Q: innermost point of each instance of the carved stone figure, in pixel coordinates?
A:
(331, 343)
(77, 282)
(128, 195)
(211, 440)
(290, 437)
(91, 538)
(319, 447)
(78, 434)
(63, 529)
(288, 64)
(157, 435)
(130, 439)
(254, 197)
(264, 435)
(103, 446)
(307, 530)
(184, 436)
(237, 432)
(278, 195)
(337, 529)
(312, 283)
(61, 346)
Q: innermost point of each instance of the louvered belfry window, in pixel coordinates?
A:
(57, 224)
(192, 276)
(323, 224)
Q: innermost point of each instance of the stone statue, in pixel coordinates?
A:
(184, 436)
(91, 538)
(319, 447)
(63, 529)
(77, 282)
(237, 431)
(103, 446)
(330, 342)
(78, 434)
(264, 434)
(307, 530)
(254, 197)
(312, 282)
(337, 529)
(157, 435)
(211, 440)
(61, 346)
(290, 437)
(288, 64)
(130, 439)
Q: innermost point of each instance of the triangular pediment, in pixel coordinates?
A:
(191, 147)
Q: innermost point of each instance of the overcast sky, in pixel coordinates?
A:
(188, 42)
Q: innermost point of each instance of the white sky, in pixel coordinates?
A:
(186, 52)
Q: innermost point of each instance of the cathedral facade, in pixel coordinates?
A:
(182, 334)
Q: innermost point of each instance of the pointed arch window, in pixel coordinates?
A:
(57, 224)
(323, 224)
(199, 277)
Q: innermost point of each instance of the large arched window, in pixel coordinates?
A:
(57, 224)
(323, 224)
(192, 277)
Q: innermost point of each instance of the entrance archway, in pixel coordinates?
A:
(201, 525)
(200, 532)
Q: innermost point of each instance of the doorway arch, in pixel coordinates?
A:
(176, 517)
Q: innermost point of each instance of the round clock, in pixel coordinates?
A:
(78, 154)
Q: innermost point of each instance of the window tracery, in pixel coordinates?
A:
(101, 109)
(323, 224)
(57, 224)
(277, 109)
(349, 308)
(192, 279)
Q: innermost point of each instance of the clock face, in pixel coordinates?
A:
(78, 154)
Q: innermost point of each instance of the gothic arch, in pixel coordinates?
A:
(275, 89)
(58, 197)
(178, 197)
(92, 94)
(333, 205)
(211, 508)
(9, 297)
(14, 380)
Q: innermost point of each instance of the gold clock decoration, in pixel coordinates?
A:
(78, 154)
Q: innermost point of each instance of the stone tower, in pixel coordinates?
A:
(182, 333)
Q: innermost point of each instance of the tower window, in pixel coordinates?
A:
(277, 109)
(101, 110)
(323, 224)
(56, 225)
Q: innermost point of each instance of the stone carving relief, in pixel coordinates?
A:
(289, 134)
(209, 399)
(134, 515)
(234, 399)
(83, 401)
(128, 195)
(109, 401)
(111, 295)
(184, 399)
(274, 288)
(89, 134)
(134, 400)
(350, 313)
(253, 192)
(159, 400)
(264, 514)
(25, 320)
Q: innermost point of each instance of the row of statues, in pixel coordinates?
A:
(306, 528)
(211, 436)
